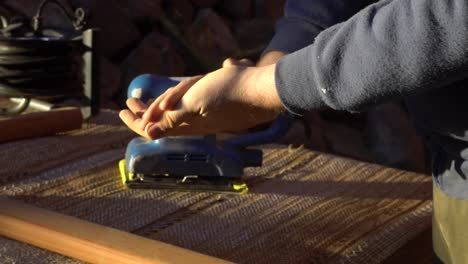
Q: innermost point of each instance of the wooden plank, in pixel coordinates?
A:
(85, 240)
(37, 124)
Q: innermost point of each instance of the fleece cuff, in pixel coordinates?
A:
(296, 83)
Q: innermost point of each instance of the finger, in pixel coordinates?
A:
(154, 131)
(229, 62)
(171, 122)
(156, 108)
(178, 92)
(245, 62)
(154, 111)
(136, 106)
(132, 121)
(182, 123)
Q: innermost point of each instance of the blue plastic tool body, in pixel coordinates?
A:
(180, 156)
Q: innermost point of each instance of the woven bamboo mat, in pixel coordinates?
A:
(304, 207)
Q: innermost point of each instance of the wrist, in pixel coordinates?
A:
(270, 57)
(260, 88)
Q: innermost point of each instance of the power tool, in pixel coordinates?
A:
(191, 163)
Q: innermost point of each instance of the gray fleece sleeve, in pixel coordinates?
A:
(304, 19)
(391, 48)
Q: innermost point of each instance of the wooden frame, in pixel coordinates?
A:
(85, 240)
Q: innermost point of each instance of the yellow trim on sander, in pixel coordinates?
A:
(123, 172)
(242, 187)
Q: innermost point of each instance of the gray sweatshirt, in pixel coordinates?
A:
(416, 49)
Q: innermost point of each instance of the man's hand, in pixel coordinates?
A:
(133, 117)
(229, 99)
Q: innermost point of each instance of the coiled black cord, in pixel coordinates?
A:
(37, 62)
(77, 19)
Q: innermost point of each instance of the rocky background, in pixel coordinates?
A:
(187, 37)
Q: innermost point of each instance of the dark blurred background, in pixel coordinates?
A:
(167, 37)
(187, 37)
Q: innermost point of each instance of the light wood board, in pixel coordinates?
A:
(85, 240)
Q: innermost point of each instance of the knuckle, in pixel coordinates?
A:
(169, 121)
(170, 89)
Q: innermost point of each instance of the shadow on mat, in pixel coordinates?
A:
(344, 189)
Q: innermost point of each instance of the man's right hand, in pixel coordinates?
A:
(230, 99)
(167, 114)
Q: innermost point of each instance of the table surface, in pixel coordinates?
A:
(303, 206)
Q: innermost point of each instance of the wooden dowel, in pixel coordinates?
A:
(40, 123)
(85, 240)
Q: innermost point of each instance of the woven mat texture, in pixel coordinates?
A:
(304, 207)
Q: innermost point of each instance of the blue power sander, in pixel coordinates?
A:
(191, 163)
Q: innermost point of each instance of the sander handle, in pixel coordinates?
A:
(148, 86)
